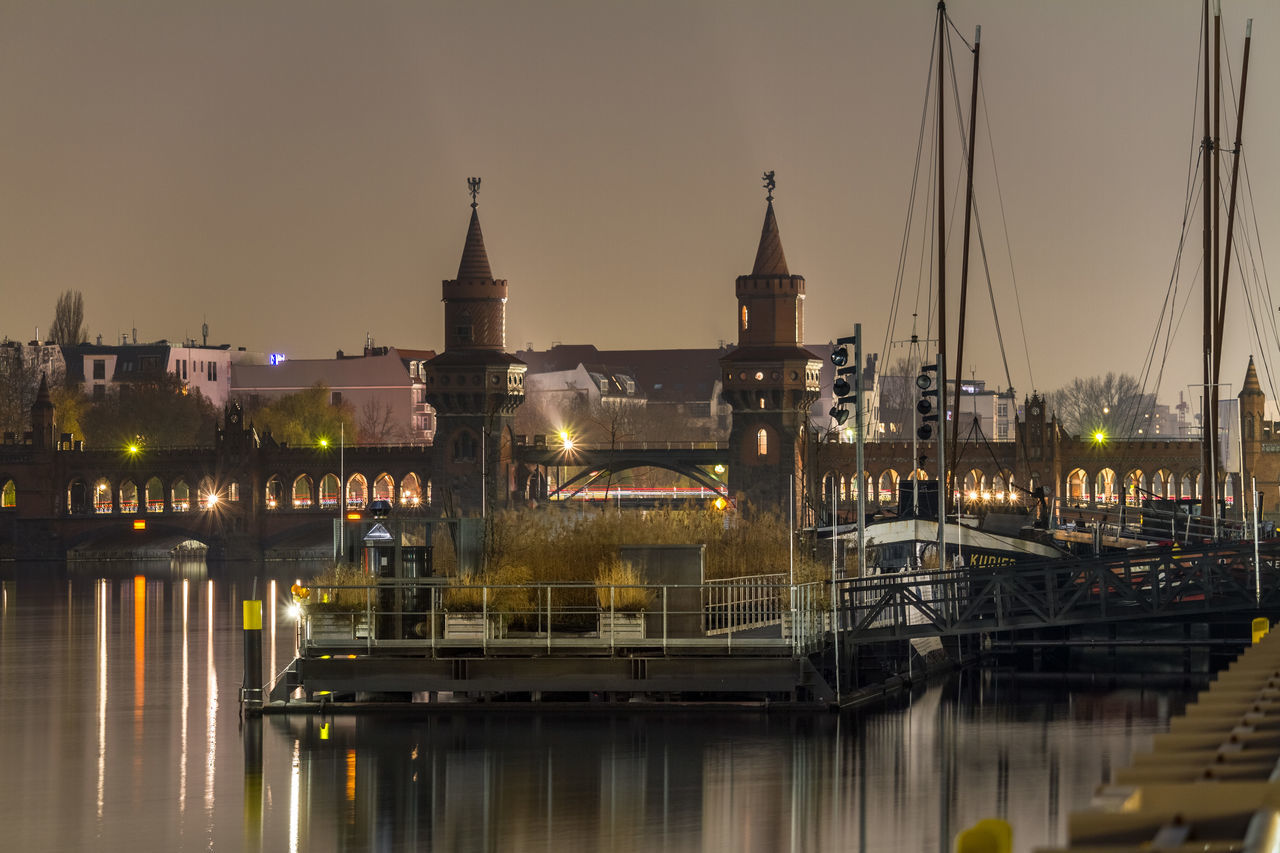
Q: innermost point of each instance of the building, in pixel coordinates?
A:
(100, 369)
(377, 388)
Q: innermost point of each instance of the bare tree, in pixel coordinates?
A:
(68, 327)
(21, 368)
(1113, 404)
(898, 396)
(377, 424)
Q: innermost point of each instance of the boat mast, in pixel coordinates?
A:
(1209, 479)
(964, 258)
(944, 490)
(1231, 201)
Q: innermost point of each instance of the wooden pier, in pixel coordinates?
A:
(1212, 783)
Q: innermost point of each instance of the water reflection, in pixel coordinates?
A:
(900, 778)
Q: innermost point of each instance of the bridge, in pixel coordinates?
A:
(703, 462)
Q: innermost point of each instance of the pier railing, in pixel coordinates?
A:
(1139, 584)
(762, 613)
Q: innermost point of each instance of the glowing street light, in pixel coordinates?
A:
(1100, 437)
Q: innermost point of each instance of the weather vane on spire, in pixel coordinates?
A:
(473, 184)
(769, 184)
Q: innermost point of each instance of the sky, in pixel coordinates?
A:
(294, 172)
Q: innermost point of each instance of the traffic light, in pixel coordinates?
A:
(842, 392)
(930, 400)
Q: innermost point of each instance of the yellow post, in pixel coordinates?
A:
(986, 836)
(1260, 628)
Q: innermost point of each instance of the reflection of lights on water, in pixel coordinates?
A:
(186, 699)
(295, 795)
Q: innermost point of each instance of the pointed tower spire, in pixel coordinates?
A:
(1251, 385)
(475, 260)
(770, 259)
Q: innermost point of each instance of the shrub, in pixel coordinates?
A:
(621, 587)
(341, 588)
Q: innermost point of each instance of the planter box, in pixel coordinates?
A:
(471, 626)
(337, 627)
(622, 627)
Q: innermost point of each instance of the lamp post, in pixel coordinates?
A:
(342, 491)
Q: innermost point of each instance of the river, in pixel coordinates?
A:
(120, 731)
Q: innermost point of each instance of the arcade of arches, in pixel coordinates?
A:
(152, 495)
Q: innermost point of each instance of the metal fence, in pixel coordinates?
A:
(763, 613)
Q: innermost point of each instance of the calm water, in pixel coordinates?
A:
(120, 731)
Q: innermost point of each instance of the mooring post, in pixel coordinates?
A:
(251, 690)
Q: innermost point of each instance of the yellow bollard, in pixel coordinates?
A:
(986, 836)
(1260, 628)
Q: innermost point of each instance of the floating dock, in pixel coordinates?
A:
(1212, 783)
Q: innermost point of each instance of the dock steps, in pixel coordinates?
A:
(1211, 783)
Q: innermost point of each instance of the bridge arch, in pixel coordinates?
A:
(586, 477)
(9, 495)
(128, 495)
(330, 491)
(180, 495)
(153, 494)
(300, 497)
(384, 488)
(888, 486)
(410, 490)
(1104, 490)
(273, 492)
(357, 491)
(103, 499)
(1135, 483)
(1077, 486)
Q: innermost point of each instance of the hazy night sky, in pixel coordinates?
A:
(295, 171)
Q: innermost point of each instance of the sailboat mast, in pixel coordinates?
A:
(1231, 200)
(964, 257)
(944, 489)
(1209, 478)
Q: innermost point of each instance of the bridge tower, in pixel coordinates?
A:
(475, 386)
(1257, 463)
(770, 380)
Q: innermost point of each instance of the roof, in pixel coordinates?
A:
(770, 259)
(770, 354)
(375, 371)
(664, 375)
(1251, 385)
(473, 358)
(475, 260)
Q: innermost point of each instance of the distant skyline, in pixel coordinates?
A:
(294, 173)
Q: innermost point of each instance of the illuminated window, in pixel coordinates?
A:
(9, 495)
(762, 442)
(745, 318)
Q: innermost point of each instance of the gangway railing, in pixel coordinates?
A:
(1138, 584)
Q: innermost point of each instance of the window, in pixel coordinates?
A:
(463, 333)
(335, 398)
(213, 371)
(762, 442)
(1002, 410)
(99, 368)
(745, 318)
(99, 392)
(464, 447)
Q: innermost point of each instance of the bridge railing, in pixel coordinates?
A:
(1139, 584)
(761, 613)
